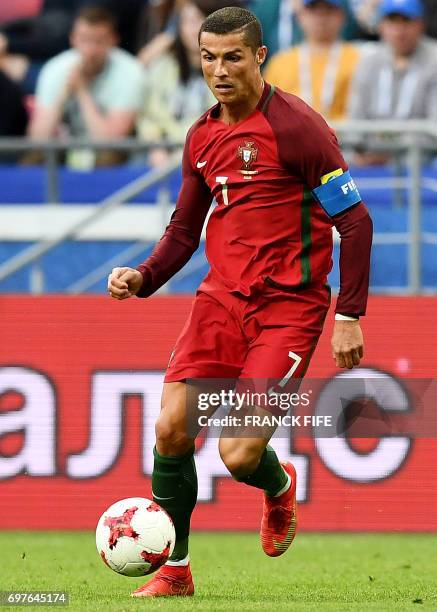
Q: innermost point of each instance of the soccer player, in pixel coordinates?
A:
(280, 183)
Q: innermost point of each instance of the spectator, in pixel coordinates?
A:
(174, 103)
(26, 43)
(95, 87)
(128, 15)
(159, 41)
(41, 28)
(281, 28)
(156, 17)
(367, 13)
(430, 7)
(321, 69)
(158, 29)
(13, 116)
(399, 79)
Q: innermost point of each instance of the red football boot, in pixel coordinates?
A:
(169, 581)
(279, 522)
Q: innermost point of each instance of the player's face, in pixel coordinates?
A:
(93, 42)
(401, 34)
(231, 68)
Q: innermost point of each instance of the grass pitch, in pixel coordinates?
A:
(321, 572)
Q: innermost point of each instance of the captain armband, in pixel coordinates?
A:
(338, 193)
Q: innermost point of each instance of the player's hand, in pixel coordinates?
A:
(347, 344)
(123, 283)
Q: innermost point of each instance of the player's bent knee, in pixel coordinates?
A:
(171, 441)
(240, 460)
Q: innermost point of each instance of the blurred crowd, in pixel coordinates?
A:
(106, 69)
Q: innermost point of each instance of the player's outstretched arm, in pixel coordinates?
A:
(123, 283)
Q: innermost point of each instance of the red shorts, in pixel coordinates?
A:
(263, 336)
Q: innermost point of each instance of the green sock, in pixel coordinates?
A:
(269, 475)
(175, 478)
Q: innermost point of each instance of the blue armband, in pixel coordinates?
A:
(338, 194)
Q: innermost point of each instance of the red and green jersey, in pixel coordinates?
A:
(266, 225)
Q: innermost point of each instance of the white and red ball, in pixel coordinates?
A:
(135, 536)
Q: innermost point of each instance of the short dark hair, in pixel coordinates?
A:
(235, 19)
(96, 15)
(210, 6)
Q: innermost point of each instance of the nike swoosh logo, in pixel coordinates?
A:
(160, 498)
(282, 546)
(288, 538)
(202, 164)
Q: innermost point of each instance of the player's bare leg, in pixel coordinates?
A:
(174, 487)
(252, 461)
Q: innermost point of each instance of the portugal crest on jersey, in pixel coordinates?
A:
(248, 153)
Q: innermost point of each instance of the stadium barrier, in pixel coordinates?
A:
(80, 383)
(411, 143)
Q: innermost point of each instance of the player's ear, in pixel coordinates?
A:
(261, 55)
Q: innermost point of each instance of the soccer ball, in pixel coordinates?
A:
(135, 536)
